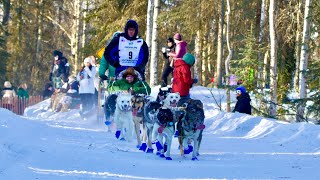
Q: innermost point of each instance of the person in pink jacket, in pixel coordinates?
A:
(181, 47)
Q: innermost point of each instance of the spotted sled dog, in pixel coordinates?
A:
(190, 127)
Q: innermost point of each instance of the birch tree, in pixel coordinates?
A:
(39, 31)
(227, 62)
(298, 41)
(273, 58)
(154, 46)
(218, 78)
(263, 15)
(304, 60)
(149, 22)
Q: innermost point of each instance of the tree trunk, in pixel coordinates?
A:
(84, 26)
(75, 37)
(204, 56)
(39, 33)
(35, 68)
(149, 23)
(304, 60)
(263, 16)
(154, 46)
(218, 78)
(227, 62)
(273, 58)
(298, 50)
(197, 53)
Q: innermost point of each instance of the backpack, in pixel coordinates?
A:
(189, 59)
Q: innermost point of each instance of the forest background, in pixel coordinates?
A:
(272, 45)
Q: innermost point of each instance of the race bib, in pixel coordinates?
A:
(129, 51)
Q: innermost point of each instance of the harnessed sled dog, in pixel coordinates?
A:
(164, 127)
(123, 117)
(190, 126)
(150, 116)
(138, 102)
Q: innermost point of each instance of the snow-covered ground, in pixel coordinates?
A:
(44, 145)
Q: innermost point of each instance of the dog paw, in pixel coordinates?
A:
(143, 147)
(122, 139)
(168, 158)
(158, 153)
(195, 159)
(162, 156)
(149, 150)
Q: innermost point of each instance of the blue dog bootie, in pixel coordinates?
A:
(176, 133)
(118, 132)
(143, 147)
(107, 123)
(149, 150)
(159, 146)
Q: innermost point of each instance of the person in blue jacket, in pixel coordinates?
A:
(243, 103)
(128, 50)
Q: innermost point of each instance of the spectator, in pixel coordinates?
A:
(48, 91)
(22, 91)
(180, 49)
(8, 94)
(73, 85)
(167, 68)
(127, 50)
(86, 89)
(243, 103)
(60, 69)
(182, 80)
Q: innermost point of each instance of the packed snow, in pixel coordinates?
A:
(46, 145)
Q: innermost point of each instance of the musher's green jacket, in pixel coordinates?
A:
(138, 86)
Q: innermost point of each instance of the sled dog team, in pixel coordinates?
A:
(161, 120)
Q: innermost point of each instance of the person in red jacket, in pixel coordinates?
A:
(182, 80)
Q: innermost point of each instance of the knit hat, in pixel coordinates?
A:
(7, 84)
(242, 90)
(177, 36)
(189, 59)
(129, 71)
(88, 59)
